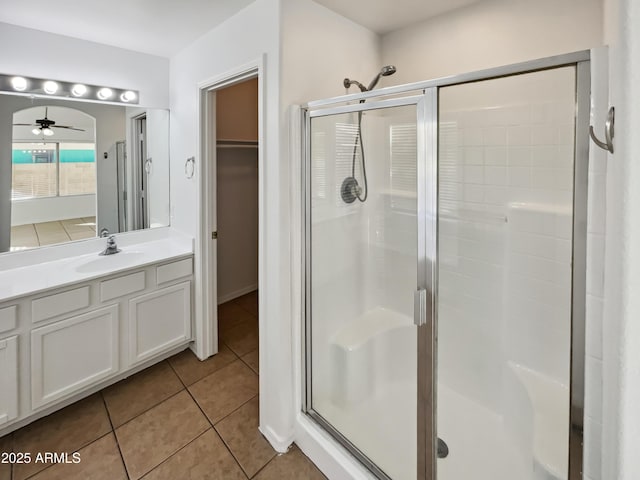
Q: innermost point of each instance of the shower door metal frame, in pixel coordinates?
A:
(425, 277)
(427, 233)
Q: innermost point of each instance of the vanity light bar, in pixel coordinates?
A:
(43, 87)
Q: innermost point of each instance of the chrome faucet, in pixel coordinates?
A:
(112, 248)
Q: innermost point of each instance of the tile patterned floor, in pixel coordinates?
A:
(181, 419)
(48, 233)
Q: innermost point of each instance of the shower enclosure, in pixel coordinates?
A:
(444, 314)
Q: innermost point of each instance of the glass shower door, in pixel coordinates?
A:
(505, 237)
(362, 270)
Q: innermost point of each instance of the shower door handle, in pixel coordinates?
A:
(420, 307)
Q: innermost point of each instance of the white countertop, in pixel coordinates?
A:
(53, 270)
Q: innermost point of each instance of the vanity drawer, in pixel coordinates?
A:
(8, 318)
(59, 304)
(121, 286)
(174, 271)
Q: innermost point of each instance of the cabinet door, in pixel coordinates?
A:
(72, 354)
(159, 320)
(8, 379)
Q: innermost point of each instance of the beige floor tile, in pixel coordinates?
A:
(252, 359)
(223, 391)
(249, 302)
(230, 315)
(53, 238)
(49, 227)
(243, 337)
(5, 446)
(190, 369)
(293, 465)
(240, 432)
(148, 440)
(82, 235)
(67, 430)
(131, 397)
(99, 460)
(206, 458)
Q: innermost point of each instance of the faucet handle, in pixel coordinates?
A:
(111, 241)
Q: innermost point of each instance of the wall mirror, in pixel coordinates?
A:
(71, 170)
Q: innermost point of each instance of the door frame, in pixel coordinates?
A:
(206, 323)
(427, 352)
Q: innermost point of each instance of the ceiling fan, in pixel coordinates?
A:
(44, 126)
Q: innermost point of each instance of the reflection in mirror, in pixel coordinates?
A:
(69, 170)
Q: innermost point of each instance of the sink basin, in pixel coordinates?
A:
(109, 262)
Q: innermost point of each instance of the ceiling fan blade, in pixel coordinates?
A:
(67, 127)
(26, 125)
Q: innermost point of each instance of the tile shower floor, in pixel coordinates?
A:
(179, 419)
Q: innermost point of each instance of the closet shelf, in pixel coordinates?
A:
(236, 144)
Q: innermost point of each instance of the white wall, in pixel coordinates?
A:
(248, 36)
(621, 355)
(37, 210)
(237, 216)
(492, 33)
(73, 60)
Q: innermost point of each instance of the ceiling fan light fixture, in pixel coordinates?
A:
(36, 131)
(47, 131)
(50, 87)
(19, 84)
(78, 90)
(105, 93)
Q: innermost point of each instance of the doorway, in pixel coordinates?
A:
(231, 202)
(236, 230)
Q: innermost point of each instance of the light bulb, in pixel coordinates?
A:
(36, 131)
(47, 131)
(19, 83)
(128, 96)
(50, 87)
(105, 93)
(78, 90)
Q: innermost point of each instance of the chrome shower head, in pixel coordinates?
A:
(347, 83)
(384, 72)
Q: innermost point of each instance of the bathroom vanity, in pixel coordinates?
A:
(71, 325)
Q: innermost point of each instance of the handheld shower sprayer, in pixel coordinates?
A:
(351, 189)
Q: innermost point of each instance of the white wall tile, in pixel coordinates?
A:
(495, 155)
(519, 176)
(494, 135)
(474, 174)
(544, 135)
(593, 388)
(519, 135)
(592, 448)
(519, 156)
(595, 264)
(594, 326)
(473, 155)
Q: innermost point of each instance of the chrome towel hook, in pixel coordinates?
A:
(608, 132)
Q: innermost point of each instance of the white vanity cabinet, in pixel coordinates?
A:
(71, 354)
(8, 379)
(70, 341)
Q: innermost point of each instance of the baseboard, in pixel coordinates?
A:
(238, 293)
(280, 444)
